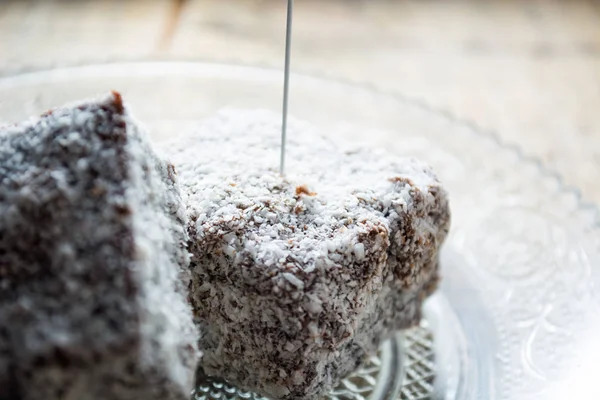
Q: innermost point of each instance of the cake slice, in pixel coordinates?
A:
(93, 265)
(297, 279)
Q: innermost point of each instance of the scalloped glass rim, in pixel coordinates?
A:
(33, 76)
(517, 225)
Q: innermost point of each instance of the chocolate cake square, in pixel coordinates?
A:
(296, 279)
(93, 264)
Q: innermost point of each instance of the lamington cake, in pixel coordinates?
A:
(93, 265)
(296, 279)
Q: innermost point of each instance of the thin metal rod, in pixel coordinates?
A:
(286, 83)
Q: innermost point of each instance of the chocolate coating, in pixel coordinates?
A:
(93, 265)
(297, 279)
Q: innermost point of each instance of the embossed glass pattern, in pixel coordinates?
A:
(517, 315)
(377, 378)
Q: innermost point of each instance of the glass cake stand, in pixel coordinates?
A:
(518, 312)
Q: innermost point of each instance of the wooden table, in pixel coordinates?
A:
(528, 70)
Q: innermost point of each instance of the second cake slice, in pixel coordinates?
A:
(93, 265)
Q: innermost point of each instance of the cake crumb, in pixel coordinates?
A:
(302, 189)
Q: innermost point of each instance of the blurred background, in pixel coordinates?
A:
(528, 70)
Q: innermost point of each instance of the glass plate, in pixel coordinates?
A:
(517, 315)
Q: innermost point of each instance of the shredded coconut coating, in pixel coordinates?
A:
(93, 264)
(296, 280)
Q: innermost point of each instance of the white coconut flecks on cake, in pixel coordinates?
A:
(93, 265)
(296, 280)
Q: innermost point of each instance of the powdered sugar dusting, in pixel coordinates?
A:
(232, 173)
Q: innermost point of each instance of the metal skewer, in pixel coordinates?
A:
(286, 82)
